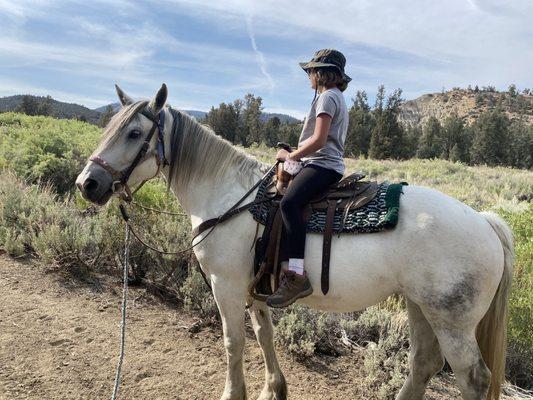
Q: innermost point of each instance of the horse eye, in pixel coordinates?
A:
(134, 134)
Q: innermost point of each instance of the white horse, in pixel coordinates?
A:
(452, 264)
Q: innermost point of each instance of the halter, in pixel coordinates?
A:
(122, 177)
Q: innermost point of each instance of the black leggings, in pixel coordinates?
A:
(307, 184)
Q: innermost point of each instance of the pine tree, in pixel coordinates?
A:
(490, 141)
(106, 116)
(380, 97)
(290, 133)
(453, 136)
(521, 144)
(45, 106)
(412, 134)
(224, 120)
(359, 127)
(380, 143)
(431, 143)
(271, 131)
(251, 116)
(387, 134)
(28, 106)
(513, 92)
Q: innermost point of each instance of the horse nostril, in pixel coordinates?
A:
(90, 185)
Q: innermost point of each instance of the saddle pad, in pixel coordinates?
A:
(379, 214)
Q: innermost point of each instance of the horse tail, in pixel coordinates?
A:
(491, 332)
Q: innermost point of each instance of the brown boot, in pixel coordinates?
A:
(292, 287)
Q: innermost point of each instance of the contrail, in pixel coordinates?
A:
(260, 57)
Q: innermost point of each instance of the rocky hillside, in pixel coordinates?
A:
(467, 104)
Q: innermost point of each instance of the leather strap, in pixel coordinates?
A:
(233, 210)
(123, 176)
(277, 229)
(208, 223)
(326, 245)
(262, 253)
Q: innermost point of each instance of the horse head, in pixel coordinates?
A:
(130, 151)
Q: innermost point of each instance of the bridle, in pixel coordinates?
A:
(121, 178)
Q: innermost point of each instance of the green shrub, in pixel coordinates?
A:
(368, 327)
(72, 234)
(520, 352)
(386, 359)
(299, 330)
(46, 149)
(196, 295)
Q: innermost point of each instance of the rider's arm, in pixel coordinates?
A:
(316, 141)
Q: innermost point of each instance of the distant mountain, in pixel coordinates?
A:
(59, 109)
(264, 116)
(116, 107)
(196, 114)
(201, 114)
(282, 117)
(467, 104)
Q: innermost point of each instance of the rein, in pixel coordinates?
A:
(121, 178)
(210, 223)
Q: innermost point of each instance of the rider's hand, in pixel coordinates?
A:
(282, 154)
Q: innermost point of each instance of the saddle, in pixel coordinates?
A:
(348, 194)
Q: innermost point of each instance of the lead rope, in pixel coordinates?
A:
(124, 303)
(129, 230)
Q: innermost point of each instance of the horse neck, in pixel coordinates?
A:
(207, 197)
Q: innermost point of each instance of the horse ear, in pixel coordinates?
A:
(125, 100)
(159, 100)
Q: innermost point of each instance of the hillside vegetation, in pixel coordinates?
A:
(41, 216)
(468, 104)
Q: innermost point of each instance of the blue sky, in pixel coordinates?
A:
(210, 52)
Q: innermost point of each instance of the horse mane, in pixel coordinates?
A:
(198, 152)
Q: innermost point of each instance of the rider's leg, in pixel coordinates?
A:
(307, 184)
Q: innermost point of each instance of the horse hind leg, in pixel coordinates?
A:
(461, 349)
(275, 386)
(425, 357)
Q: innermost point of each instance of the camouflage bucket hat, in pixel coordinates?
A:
(327, 58)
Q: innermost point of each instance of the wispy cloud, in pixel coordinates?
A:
(202, 49)
(473, 4)
(442, 32)
(260, 56)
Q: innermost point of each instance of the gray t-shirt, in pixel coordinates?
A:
(330, 101)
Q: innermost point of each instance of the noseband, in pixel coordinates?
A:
(122, 177)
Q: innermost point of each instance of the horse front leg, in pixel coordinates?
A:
(231, 302)
(275, 387)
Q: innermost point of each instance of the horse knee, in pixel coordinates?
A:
(262, 332)
(233, 345)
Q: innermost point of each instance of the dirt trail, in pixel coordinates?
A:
(59, 339)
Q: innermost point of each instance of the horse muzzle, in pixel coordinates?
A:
(95, 184)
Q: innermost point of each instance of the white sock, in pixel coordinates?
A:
(296, 265)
